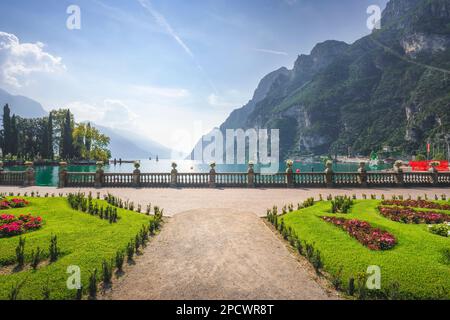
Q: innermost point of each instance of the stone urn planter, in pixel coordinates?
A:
(174, 168)
(329, 166)
(362, 167)
(137, 164)
(398, 166)
(433, 166)
(289, 164)
(251, 167)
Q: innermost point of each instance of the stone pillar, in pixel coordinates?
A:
(362, 174)
(251, 175)
(99, 175)
(137, 174)
(212, 175)
(30, 176)
(62, 183)
(398, 173)
(289, 174)
(174, 175)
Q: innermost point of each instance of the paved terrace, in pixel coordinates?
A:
(249, 200)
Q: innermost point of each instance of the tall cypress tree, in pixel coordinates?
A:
(67, 137)
(14, 138)
(88, 140)
(6, 130)
(49, 133)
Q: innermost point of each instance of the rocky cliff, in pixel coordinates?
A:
(389, 88)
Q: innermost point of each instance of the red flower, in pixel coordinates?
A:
(408, 215)
(373, 238)
(12, 226)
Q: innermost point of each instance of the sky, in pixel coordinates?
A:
(162, 68)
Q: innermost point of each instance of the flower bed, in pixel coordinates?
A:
(408, 215)
(372, 238)
(12, 226)
(416, 204)
(13, 203)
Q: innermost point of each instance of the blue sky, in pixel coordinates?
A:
(150, 66)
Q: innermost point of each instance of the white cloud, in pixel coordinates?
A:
(282, 53)
(19, 60)
(111, 112)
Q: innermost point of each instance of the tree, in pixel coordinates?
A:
(90, 144)
(49, 133)
(14, 136)
(67, 137)
(88, 138)
(6, 130)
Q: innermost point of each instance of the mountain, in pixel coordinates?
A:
(22, 106)
(391, 87)
(120, 145)
(133, 149)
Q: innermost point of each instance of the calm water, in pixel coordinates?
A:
(48, 176)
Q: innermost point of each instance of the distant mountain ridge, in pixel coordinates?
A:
(120, 145)
(391, 87)
(22, 106)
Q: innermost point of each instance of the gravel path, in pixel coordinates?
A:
(217, 254)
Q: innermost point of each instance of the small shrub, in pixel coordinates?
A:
(119, 259)
(15, 290)
(351, 286)
(130, 251)
(93, 284)
(299, 246)
(361, 282)
(341, 204)
(336, 279)
(36, 257)
(137, 243)
(79, 293)
(53, 249)
(317, 261)
(20, 253)
(106, 272)
(309, 251)
(442, 230)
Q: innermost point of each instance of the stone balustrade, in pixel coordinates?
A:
(213, 179)
(251, 179)
(17, 178)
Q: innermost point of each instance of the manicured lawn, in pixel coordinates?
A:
(84, 241)
(416, 263)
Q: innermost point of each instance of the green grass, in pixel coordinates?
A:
(84, 240)
(417, 263)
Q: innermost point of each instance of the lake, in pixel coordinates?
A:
(48, 175)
